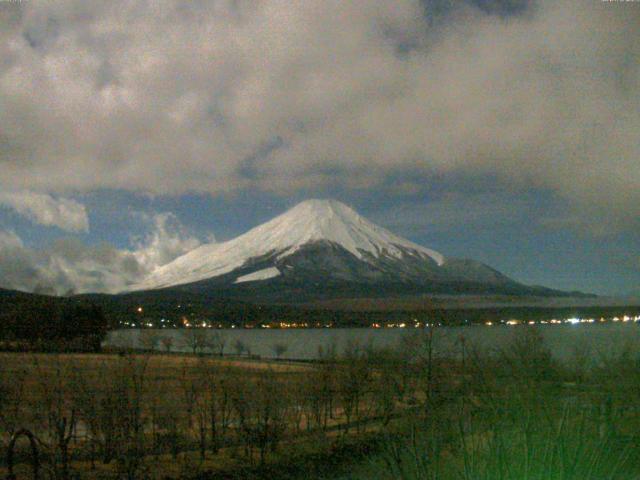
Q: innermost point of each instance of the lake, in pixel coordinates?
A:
(599, 339)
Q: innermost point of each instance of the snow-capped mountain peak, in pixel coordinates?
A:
(308, 222)
(333, 221)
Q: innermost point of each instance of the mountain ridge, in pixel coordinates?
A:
(307, 222)
(324, 249)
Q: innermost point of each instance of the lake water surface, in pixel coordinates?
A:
(599, 339)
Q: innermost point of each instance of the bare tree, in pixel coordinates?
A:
(169, 421)
(239, 347)
(203, 411)
(91, 401)
(12, 399)
(389, 381)
(211, 406)
(424, 349)
(271, 413)
(35, 456)
(318, 388)
(167, 343)
(218, 342)
(127, 394)
(297, 397)
(220, 383)
(317, 397)
(279, 349)
(241, 401)
(261, 413)
(353, 376)
(194, 384)
(194, 339)
(149, 339)
(189, 391)
(58, 411)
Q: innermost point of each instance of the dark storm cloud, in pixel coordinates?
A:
(174, 97)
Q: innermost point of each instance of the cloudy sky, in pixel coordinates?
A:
(503, 130)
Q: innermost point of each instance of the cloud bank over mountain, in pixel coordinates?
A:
(173, 97)
(70, 266)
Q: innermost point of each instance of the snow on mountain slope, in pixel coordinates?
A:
(263, 274)
(307, 222)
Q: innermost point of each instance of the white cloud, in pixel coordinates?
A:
(167, 241)
(43, 209)
(171, 97)
(71, 266)
(10, 240)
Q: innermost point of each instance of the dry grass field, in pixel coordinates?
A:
(415, 412)
(111, 415)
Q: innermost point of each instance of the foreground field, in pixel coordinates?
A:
(406, 413)
(134, 415)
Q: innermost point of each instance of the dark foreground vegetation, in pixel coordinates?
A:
(519, 415)
(410, 413)
(31, 322)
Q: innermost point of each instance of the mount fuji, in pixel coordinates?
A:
(323, 249)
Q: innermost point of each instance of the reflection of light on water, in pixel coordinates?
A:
(571, 320)
(414, 323)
